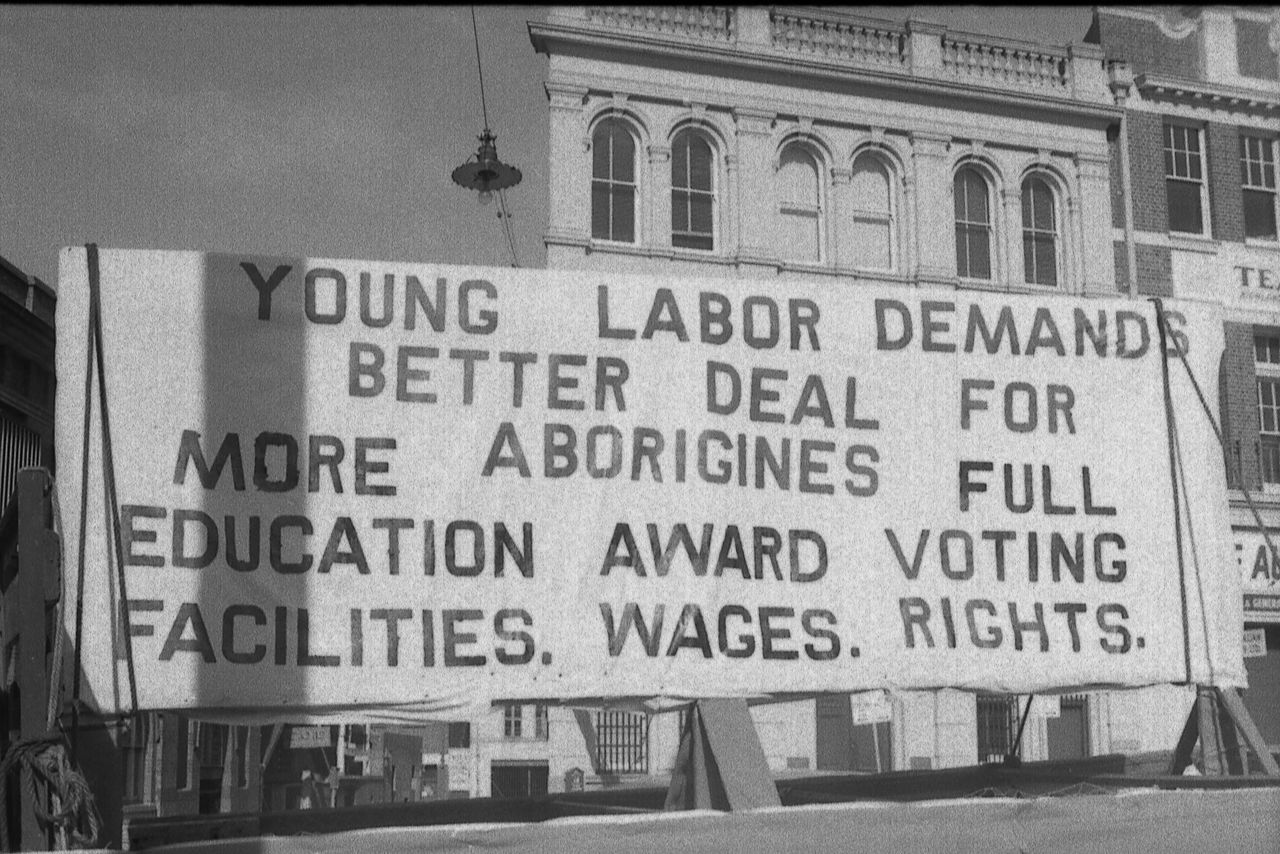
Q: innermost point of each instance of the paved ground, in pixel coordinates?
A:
(1203, 822)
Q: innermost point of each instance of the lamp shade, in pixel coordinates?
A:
(486, 173)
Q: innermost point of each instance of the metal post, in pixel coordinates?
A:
(1013, 759)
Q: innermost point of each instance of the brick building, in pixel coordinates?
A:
(1194, 213)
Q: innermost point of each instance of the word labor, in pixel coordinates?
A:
(760, 320)
(251, 634)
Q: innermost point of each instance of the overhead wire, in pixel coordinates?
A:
(504, 215)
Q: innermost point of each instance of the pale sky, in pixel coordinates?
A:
(321, 132)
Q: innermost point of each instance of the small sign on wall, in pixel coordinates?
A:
(309, 736)
(1046, 706)
(1255, 643)
(459, 773)
(870, 707)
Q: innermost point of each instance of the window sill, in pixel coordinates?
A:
(1017, 287)
(1193, 243)
(596, 245)
(1270, 243)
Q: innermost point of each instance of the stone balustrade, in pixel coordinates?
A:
(1005, 63)
(918, 49)
(838, 38)
(714, 23)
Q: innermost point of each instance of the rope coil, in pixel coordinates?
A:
(50, 779)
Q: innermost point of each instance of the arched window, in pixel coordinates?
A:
(1039, 232)
(973, 224)
(613, 182)
(799, 192)
(693, 191)
(871, 191)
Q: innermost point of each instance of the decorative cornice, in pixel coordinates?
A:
(1199, 93)
(549, 38)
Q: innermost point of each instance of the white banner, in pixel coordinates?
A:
(348, 483)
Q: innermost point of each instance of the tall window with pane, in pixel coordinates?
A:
(973, 224)
(799, 193)
(512, 720)
(874, 208)
(1266, 350)
(693, 191)
(1039, 232)
(1184, 179)
(613, 182)
(1258, 183)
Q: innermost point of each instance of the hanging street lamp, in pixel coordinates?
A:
(486, 174)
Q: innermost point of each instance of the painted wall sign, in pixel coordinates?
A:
(870, 707)
(353, 484)
(1255, 643)
(1243, 279)
(310, 736)
(1259, 571)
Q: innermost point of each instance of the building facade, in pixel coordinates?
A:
(27, 306)
(812, 145)
(1194, 216)
(803, 144)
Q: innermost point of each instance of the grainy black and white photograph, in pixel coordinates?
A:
(639, 428)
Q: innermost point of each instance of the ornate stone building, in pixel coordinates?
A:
(806, 144)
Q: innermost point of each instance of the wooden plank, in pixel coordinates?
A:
(32, 675)
(1210, 743)
(1252, 736)
(720, 763)
(693, 785)
(1187, 741)
(1233, 752)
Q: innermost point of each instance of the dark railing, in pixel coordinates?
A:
(997, 724)
(622, 742)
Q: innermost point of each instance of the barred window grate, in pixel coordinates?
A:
(622, 742)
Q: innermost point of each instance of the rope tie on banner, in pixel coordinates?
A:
(94, 354)
(1222, 443)
(84, 523)
(45, 760)
(109, 467)
(59, 644)
(1171, 427)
